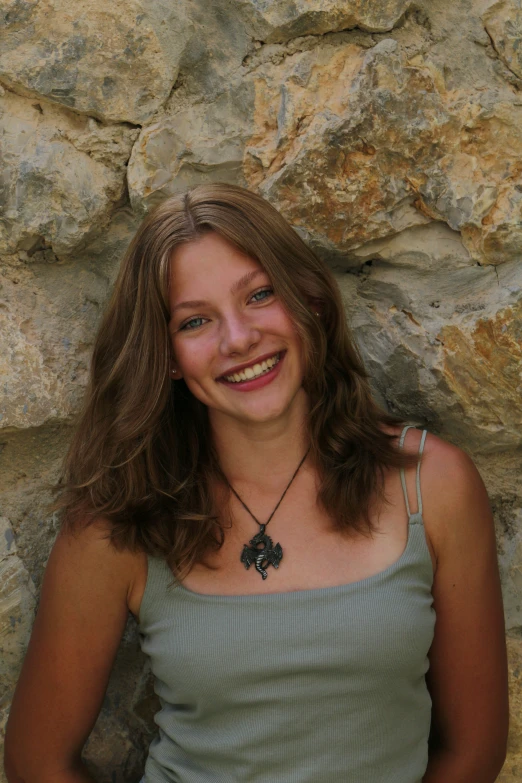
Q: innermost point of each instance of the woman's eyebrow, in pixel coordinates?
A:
(245, 280)
(237, 286)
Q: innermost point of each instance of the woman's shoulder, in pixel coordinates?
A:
(86, 552)
(455, 504)
(456, 509)
(439, 453)
(450, 478)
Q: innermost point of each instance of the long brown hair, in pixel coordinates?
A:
(141, 457)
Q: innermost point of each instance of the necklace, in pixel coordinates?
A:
(268, 554)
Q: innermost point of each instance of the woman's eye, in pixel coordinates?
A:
(192, 324)
(263, 294)
(196, 322)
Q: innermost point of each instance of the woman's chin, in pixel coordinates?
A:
(271, 408)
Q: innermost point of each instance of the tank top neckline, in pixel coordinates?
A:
(415, 520)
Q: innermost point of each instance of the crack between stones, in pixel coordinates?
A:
(44, 99)
(177, 84)
(309, 42)
(500, 58)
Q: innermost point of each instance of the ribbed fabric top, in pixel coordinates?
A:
(311, 686)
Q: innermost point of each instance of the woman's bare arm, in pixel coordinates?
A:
(80, 620)
(468, 663)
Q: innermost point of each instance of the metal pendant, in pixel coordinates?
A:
(267, 555)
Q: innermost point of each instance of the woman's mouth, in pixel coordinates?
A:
(256, 375)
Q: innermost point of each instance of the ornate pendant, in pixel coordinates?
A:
(267, 555)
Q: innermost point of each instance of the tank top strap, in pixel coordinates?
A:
(417, 482)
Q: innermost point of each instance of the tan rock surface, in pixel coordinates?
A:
(510, 558)
(337, 143)
(17, 602)
(483, 369)
(204, 142)
(352, 144)
(47, 319)
(60, 178)
(503, 23)
(512, 772)
(46, 323)
(29, 462)
(276, 22)
(476, 189)
(112, 61)
(443, 345)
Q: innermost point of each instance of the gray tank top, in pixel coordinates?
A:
(311, 686)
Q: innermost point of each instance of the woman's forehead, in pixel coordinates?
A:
(208, 264)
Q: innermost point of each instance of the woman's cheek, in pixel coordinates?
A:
(194, 357)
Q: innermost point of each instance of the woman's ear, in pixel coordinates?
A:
(174, 372)
(316, 306)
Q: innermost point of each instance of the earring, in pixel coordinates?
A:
(173, 370)
(318, 314)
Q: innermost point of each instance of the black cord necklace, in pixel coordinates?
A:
(268, 554)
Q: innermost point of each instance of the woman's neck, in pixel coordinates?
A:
(261, 452)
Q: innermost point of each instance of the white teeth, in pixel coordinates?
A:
(253, 372)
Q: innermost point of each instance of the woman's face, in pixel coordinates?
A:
(233, 342)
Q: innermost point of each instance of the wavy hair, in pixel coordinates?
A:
(141, 457)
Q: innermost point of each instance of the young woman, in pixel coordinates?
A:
(316, 584)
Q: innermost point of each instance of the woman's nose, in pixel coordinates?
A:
(238, 334)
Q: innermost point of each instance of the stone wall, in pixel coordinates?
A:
(388, 133)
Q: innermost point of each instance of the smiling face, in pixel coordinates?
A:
(233, 341)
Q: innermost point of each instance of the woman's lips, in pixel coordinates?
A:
(256, 383)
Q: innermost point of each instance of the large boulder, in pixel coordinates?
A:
(441, 336)
(17, 603)
(61, 176)
(115, 61)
